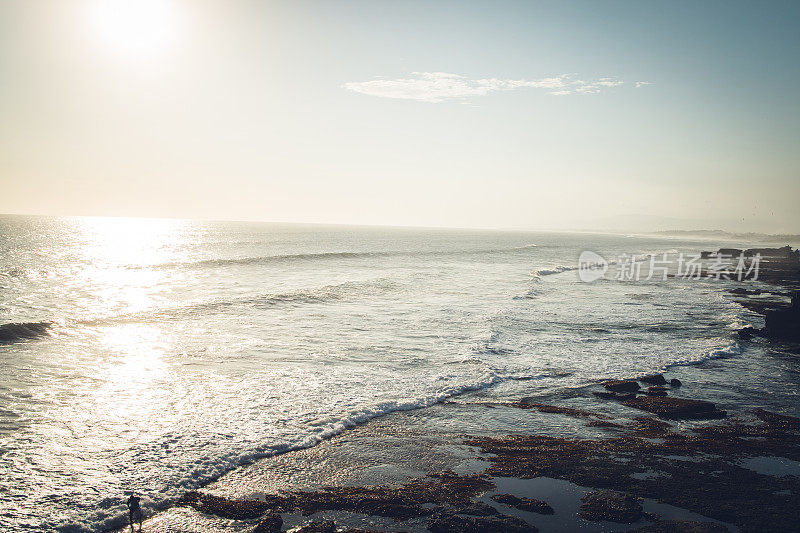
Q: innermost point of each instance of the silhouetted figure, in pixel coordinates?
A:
(134, 510)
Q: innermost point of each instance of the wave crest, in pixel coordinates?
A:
(554, 270)
(722, 353)
(321, 256)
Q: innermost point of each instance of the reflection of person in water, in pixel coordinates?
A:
(134, 510)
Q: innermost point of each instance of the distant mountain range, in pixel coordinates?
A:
(720, 234)
(751, 229)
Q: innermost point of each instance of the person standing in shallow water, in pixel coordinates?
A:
(134, 510)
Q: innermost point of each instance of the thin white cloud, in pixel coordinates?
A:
(443, 86)
(643, 83)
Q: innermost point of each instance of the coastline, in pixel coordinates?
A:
(439, 468)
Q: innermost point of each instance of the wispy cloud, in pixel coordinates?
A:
(443, 86)
(643, 83)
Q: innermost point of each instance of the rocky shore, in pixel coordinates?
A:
(643, 454)
(647, 452)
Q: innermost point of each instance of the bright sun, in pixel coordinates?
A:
(134, 26)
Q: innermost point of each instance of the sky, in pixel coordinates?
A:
(496, 114)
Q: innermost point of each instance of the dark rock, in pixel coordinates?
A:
(784, 323)
(624, 397)
(676, 408)
(675, 383)
(318, 526)
(492, 524)
(14, 332)
(614, 395)
(475, 509)
(655, 379)
(610, 506)
(679, 526)
(618, 385)
(762, 306)
(730, 252)
(657, 391)
(740, 291)
(416, 498)
(710, 482)
(785, 252)
(555, 409)
(524, 504)
(223, 507)
(271, 523)
(747, 333)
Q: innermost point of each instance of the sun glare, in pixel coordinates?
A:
(134, 26)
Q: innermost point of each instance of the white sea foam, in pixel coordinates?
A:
(553, 270)
(721, 353)
(211, 468)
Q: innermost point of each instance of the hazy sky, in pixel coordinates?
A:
(475, 114)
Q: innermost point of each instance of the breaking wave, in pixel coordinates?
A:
(554, 270)
(332, 256)
(320, 431)
(722, 353)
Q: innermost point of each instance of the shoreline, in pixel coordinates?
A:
(375, 478)
(371, 477)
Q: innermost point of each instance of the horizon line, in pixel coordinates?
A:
(601, 231)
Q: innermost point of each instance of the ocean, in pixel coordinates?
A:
(155, 355)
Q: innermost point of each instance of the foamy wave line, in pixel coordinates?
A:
(18, 332)
(326, 293)
(723, 353)
(280, 258)
(554, 270)
(314, 295)
(530, 294)
(360, 417)
(104, 522)
(272, 259)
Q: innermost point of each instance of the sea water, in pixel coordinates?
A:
(154, 355)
